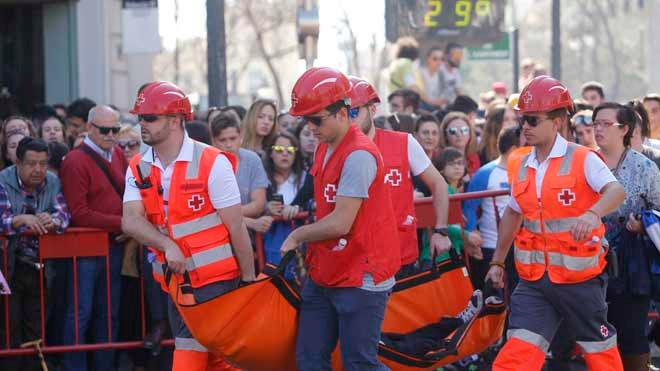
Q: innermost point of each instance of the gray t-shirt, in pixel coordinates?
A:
(250, 174)
(358, 173)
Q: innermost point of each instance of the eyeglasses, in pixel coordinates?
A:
(583, 120)
(280, 149)
(131, 143)
(454, 131)
(147, 118)
(606, 124)
(105, 130)
(532, 121)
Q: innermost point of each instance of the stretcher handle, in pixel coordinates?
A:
(286, 259)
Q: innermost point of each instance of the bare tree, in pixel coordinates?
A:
(261, 27)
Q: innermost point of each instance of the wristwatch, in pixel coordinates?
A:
(443, 231)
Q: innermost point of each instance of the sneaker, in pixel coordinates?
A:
(473, 308)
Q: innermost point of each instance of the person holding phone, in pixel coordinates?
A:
(290, 190)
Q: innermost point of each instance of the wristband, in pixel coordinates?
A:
(498, 264)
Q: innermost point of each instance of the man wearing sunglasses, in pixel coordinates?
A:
(559, 192)
(402, 156)
(353, 248)
(179, 194)
(92, 184)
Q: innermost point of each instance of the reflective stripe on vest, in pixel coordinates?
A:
(189, 344)
(196, 225)
(564, 167)
(530, 337)
(209, 256)
(550, 225)
(573, 263)
(528, 256)
(192, 170)
(597, 346)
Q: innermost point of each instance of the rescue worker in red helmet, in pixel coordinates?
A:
(182, 200)
(559, 192)
(353, 248)
(402, 156)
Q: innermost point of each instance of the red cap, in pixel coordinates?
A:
(362, 92)
(544, 94)
(162, 98)
(318, 88)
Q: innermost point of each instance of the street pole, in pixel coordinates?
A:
(216, 52)
(556, 40)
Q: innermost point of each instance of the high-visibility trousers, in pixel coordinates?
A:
(537, 310)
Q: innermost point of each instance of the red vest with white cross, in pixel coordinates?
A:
(372, 244)
(191, 221)
(393, 146)
(544, 243)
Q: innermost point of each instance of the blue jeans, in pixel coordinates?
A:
(154, 296)
(351, 315)
(93, 310)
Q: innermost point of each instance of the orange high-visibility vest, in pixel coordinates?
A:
(191, 221)
(544, 242)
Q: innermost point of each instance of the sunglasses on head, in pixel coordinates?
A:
(583, 120)
(281, 149)
(532, 121)
(454, 131)
(131, 143)
(105, 130)
(147, 118)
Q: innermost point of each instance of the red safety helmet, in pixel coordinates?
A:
(162, 98)
(544, 94)
(362, 92)
(318, 88)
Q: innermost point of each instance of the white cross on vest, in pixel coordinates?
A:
(393, 177)
(566, 196)
(196, 202)
(330, 193)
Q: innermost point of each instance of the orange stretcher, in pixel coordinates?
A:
(254, 326)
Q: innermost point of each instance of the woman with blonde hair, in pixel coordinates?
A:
(259, 127)
(456, 131)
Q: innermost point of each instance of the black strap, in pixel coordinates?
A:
(104, 167)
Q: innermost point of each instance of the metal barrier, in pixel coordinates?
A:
(75, 243)
(86, 242)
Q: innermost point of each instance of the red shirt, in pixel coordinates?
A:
(92, 200)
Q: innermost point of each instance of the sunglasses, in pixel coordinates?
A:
(583, 120)
(606, 124)
(532, 121)
(105, 130)
(281, 149)
(147, 118)
(317, 120)
(454, 131)
(132, 143)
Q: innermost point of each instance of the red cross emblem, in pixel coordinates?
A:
(604, 331)
(140, 99)
(528, 97)
(330, 193)
(393, 177)
(196, 202)
(566, 196)
(294, 99)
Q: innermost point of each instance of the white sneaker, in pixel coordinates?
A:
(473, 308)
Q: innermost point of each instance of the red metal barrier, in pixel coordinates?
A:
(75, 243)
